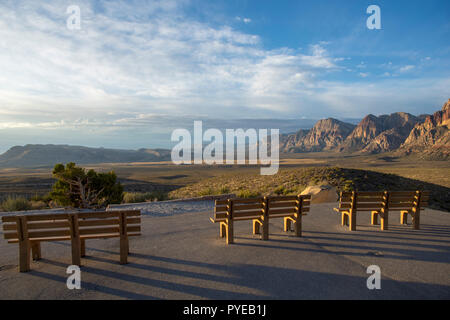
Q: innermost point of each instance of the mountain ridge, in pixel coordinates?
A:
(32, 155)
(402, 133)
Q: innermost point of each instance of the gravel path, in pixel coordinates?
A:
(167, 208)
(157, 208)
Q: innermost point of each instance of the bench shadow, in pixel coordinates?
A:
(285, 283)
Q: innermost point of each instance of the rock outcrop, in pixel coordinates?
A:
(326, 135)
(430, 139)
(380, 134)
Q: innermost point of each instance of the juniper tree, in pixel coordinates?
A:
(81, 188)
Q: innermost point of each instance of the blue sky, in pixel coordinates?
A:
(138, 69)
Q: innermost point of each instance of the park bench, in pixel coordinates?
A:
(290, 208)
(259, 210)
(380, 204)
(408, 203)
(30, 230)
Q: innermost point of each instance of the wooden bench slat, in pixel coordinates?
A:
(10, 235)
(221, 202)
(48, 225)
(245, 207)
(220, 209)
(281, 198)
(281, 211)
(10, 227)
(282, 204)
(50, 233)
(256, 200)
(97, 222)
(254, 213)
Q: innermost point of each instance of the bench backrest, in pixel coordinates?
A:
(60, 226)
(407, 200)
(21, 227)
(362, 200)
(286, 206)
(248, 209)
(240, 209)
(375, 201)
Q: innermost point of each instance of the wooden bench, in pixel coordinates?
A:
(226, 212)
(290, 208)
(379, 204)
(30, 230)
(408, 203)
(259, 210)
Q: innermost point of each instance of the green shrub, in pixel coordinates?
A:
(15, 204)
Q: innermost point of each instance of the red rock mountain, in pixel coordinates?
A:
(426, 135)
(326, 135)
(430, 139)
(379, 134)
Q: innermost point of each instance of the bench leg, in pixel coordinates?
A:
(24, 256)
(265, 229)
(298, 226)
(385, 220)
(36, 250)
(416, 220)
(374, 219)
(344, 219)
(222, 230)
(83, 247)
(230, 232)
(76, 251)
(256, 226)
(403, 217)
(352, 224)
(287, 224)
(124, 249)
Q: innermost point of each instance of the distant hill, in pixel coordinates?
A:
(36, 155)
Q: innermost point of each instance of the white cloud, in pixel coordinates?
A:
(119, 59)
(406, 68)
(245, 20)
(128, 66)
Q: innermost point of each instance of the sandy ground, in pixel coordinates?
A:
(180, 256)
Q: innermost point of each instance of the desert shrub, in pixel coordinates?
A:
(280, 190)
(208, 191)
(38, 205)
(44, 198)
(136, 197)
(223, 190)
(15, 204)
(248, 194)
